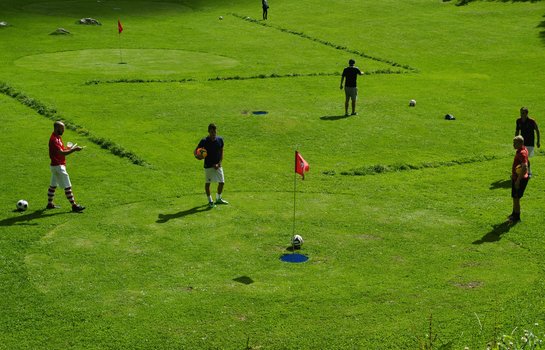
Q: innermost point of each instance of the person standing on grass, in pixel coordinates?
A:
(265, 5)
(519, 176)
(213, 171)
(526, 127)
(59, 176)
(350, 73)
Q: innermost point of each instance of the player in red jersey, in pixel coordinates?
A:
(519, 176)
(59, 176)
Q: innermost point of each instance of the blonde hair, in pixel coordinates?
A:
(519, 140)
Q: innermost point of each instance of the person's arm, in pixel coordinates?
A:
(217, 166)
(517, 129)
(538, 137)
(342, 79)
(524, 170)
(67, 151)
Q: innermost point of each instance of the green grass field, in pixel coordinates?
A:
(403, 213)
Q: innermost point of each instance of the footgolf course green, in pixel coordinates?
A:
(403, 213)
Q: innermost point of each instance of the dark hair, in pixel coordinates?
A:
(351, 62)
(211, 126)
(524, 109)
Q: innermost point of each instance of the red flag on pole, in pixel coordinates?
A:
(119, 26)
(301, 165)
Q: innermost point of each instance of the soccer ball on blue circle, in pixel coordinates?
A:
(297, 241)
(22, 205)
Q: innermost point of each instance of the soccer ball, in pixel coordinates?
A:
(22, 205)
(200, 153)
(221, 17)
(518, 170)
(297, 241)
(412, 103)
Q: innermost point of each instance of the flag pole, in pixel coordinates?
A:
(119, 30)
(119, 46)
(294, 201)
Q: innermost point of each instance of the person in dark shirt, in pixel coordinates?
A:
(350, 73)
(213, 171)
(265, 5)
(526, 127)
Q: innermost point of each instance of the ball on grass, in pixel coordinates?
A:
(22, 205)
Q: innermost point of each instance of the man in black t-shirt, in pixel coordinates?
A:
(526, 127)
(350, 73)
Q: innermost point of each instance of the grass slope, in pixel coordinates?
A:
(147, 266)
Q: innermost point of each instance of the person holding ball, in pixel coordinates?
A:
(213, 171)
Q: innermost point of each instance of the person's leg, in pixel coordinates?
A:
(207, 191)
(221, 183)
(52, 188)
(353, 106)
(346, 105)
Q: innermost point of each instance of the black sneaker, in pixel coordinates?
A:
(77, 208)
(52, 206)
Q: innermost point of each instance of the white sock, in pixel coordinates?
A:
(209, 198)
(218, 196)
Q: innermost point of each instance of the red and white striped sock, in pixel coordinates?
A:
(51, 194)
(70, 195)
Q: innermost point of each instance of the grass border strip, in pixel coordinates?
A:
(327, 43)
(237, 77)
(51, 113)
(382, 169)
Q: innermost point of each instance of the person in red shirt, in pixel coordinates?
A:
(59, 176)
(519, 176)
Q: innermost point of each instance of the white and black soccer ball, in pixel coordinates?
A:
(412, 103)
(297, 241)
(220, 18)
(22, 205)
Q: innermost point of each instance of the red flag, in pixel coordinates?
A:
(119, 26)
(301, 165)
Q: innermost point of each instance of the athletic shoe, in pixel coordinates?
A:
(52, 206)
(77, 208)
(514, 218)
(346, 114)
(211, 205)
(354, 113)
(221, 201)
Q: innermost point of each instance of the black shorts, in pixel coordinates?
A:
(520, 192)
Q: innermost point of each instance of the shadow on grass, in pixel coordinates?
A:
(495, 234)
(334, 117)
(166, 217)
(541, 25)
(500, 184)
(244, 280)
(27, 218)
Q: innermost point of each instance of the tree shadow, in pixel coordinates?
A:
(334, 117)
(27, 218)
(500, 184)
(542, 32)
(497, 231)
(162, 218)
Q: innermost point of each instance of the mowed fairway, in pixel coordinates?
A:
(403, 213)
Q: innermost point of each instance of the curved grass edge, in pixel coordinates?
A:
(51, 113)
